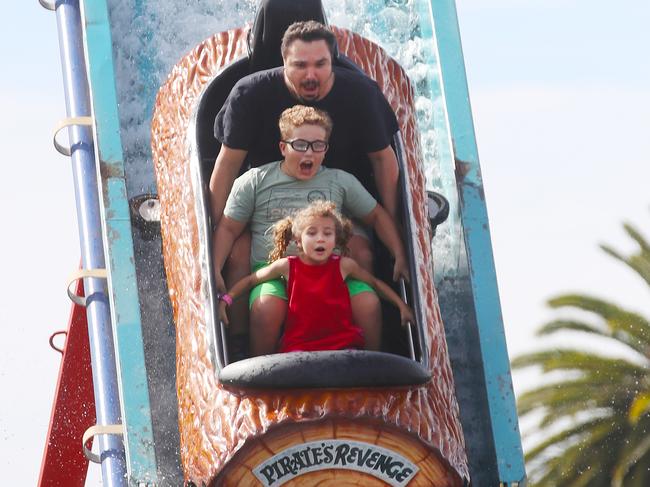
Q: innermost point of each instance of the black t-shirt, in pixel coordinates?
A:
(363, 120)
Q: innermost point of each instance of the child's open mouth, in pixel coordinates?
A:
(306, 167)
(320, 249)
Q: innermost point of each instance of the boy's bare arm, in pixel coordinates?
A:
(222, 240)
(384, 225)
(226, 168)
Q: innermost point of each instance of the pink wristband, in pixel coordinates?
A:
(226, 298)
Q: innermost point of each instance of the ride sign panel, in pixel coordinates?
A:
(380, 462)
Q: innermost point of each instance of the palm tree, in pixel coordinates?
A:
(595, 422)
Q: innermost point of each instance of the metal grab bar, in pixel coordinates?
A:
(409, 331)
(224, 344)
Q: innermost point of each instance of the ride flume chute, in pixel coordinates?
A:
(172, 407)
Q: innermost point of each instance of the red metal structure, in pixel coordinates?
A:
(73, 411)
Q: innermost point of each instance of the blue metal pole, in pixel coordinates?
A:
(76, 90)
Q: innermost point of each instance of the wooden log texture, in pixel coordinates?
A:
(214, 423)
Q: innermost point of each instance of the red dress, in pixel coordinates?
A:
(319, 315)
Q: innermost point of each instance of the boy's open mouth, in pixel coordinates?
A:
(306, 166)
(320, 249)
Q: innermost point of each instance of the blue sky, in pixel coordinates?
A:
(39, 246)
(556, 42)
(561, 99)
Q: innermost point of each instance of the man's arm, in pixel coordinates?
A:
(225, 171)
(384, 225)
(386, 171)
(224, 236)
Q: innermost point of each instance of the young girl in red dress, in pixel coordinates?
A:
(319, 316)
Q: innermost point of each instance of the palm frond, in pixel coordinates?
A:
(639, 474)
(586, 393)
(573, 410)
(614, 332)
(566, 467)
(599, 424)
(571, 359)
(629, 458)
(568, 325)
(590, 452)
(616, 318)
(639, 262)
(570, 409)
(586, 477)
(638, 238)
(640, 406)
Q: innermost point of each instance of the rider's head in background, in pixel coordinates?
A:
(307, 51)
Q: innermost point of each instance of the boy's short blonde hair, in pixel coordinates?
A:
(299, 115)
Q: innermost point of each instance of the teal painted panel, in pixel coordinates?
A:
(503, 413)
(101, 74)
(125, 305)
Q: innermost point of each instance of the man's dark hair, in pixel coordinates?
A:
(308, 31)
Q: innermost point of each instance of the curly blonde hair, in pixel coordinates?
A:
(293, 226)
(299, 115)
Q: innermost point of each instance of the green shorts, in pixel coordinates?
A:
(277, 287)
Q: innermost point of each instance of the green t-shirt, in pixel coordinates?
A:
(265, 194)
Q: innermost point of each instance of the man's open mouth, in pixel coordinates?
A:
(309, 89)
(309, 85)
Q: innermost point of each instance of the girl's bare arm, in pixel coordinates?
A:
(272, 271)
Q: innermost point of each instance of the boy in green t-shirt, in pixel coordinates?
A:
(264, 195)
